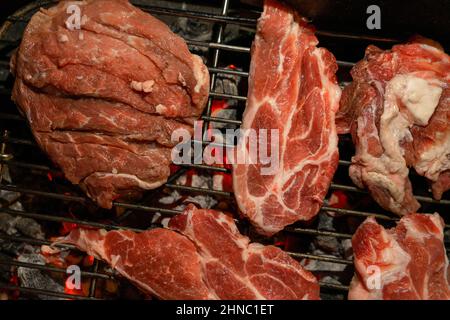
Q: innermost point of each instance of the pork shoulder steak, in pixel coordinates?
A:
(103, 99)
(204, 258)
(292, 88)
(405, 262)
(398, 112)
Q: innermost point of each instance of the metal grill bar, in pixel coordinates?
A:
(185, 188)
(333, 286)
(318, 232)
(111, 276)
(36, 242)
(46, 217)
(85, 200)
(322, 258)
(15, 263)
(357, 190)
(93, 284)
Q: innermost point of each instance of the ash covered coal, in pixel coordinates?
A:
(18, 225)
(37, 279)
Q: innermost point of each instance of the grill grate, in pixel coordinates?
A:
(216, 49)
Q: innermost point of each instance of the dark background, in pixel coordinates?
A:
(8, 7)
(399, 18)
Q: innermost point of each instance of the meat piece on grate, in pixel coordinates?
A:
(405, 262)
(161, 262)
(292, 89)
(104, 97)
(234, 268)
(398, 112)
(206, 259)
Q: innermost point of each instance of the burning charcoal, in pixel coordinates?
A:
(334, 296)
(227, 84)
(226, 114)
(318, 265)
(36, 279)
(12, 225)
(15, 248)
(326, 222)
(158, 219)
(170, 199)
(6, 224)
(347, 248)
(203, 201)
(201, 181)
(193, 30)
(29, 227)
(327, 243)
(8, 197)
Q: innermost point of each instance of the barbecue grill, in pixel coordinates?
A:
(49, 199)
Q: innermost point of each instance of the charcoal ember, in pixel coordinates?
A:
(29, 227)
(201, 181)
(347, 249)
(177, 201)
(193, 30)
(156, 218)
(202, 201)
(12, 225)
(196, 30)
(333, 296)
(327, 243)
(226, 113)
(8, 198)
(172, 198)
(37, 279)
(14, 248)
(227, 83)
(330, 280)
(6, 224)
(323, 266)
(197, 181)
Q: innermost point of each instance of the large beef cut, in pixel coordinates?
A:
(398, 112)
(403, 263)
(103, 98)
(205, 258)
(293, 89)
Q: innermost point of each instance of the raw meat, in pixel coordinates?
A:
(206, 259)
(398, 112)
(104, 99)
(234, 268)
(405, 262)
(292, 88)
